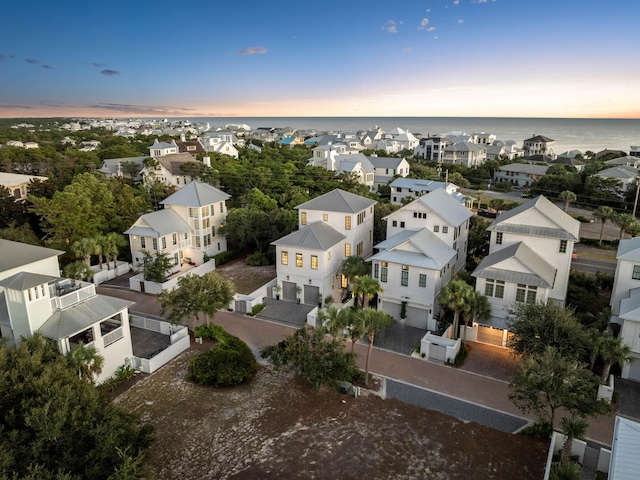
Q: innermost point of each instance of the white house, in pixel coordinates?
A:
(402, 188)
(18, 184)
(539, 145)
(33, 298)
(520, 174)
(356, 164)
(331, 228)
(426, 245)
(168, 169)
(186, 229)
(625, 302)
(529, 261)
(624, 174)
(385, 168)
(468, 154)
(115, 167)
(432, 148)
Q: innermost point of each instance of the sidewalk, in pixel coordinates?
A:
(463, 385)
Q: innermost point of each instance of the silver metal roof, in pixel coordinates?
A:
(338, 201)
(549, 210)
(16, 254)
(385, 162)
(158, 224)
(629, 249)
(196, 194)
(630, 307)
(317, 236)
(542, 274)
(72, 320)
(25, 280)
(496, 322)
(4, 312)
(445, 206)
(625, 461)
(435, 253)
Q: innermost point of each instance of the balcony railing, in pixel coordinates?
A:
(64, 298)
(113, 336)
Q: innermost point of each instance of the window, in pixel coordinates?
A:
(563, 246)
(328, 255)
(383, 272)
(370, 236)
(196, 224)
(422, 282)
(193, 212)
(174, 238)
(404, 281)
(636, 272)
(394, 223)
(325, 217)
(197, 237)
(164, 242)
(298, 259)
(314, 262)
(494, 288)
(376, 267)
(347, 250)
(436, 228)
(143, 242)
(347, 222)
(359, 248)
(284, 258)
(499, 238)
(526, 293)
(303, 218)
(213, 231)
(175, 258)
(401, 224)
(155, 243)
(445, 229)
(221, 207)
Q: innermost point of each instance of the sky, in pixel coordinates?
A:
(451, 58)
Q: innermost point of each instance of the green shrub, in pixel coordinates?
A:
(461, 356)
(225, 257)
(257, 259)
(570, 471)
(125, 372)
(503, 187)
(541, 429)
(582, 219)
(256, 309)
(229, 363)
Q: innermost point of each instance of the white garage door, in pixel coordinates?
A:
(490, 335)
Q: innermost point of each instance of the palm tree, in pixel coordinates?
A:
(571, 427)
(86, 361)
(77, 270)
(478, 308)
(101, 242)
(603, 213)
(595, 345)
(367, 287)
(373, 320)
(613, 350)
(568, 196)
(354, 267)
(334, 320)
(84, 248)
(627, 224)
(113, 241)
(456, 296)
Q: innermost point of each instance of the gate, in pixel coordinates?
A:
(490, 335)
(241, 306)
(437, 352)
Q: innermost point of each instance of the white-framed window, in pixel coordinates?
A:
(499, 238)
(314, 262)
(494, 288)
(347, 250)
(284, 258)
(164, 242)
(436, 228)
(155, 243)
(563, 246)
(303, 218)
(174, 238)
(347, 222)
(526, 293)
(384, 271)
(636, 272)
(143, 242)
(298, 260)
(422, 281)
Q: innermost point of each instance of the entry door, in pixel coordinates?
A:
(289, 291)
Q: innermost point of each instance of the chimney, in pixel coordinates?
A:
(207, 161)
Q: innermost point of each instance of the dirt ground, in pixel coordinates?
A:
(245, 278)
(277, 428)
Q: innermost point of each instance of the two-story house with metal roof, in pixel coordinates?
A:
(529, 261)
(426, 245)
(331, 227)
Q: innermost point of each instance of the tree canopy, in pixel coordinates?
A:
(58, 425)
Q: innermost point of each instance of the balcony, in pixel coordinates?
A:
(66, 292)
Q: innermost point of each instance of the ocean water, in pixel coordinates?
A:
(569, 133)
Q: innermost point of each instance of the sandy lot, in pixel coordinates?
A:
(277, 428)
(246, 279)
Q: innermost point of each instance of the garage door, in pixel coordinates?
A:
(289, 291)
(634, 371)
(311, 294)
(490, 335)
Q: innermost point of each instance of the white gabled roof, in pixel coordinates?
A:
(629, 250)
(158, 224)
(445, 206)
(566, 227)
(338, 201)
(625, 461)
(432, 252)
(16, 254)
(196, 194)
(317, 236)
